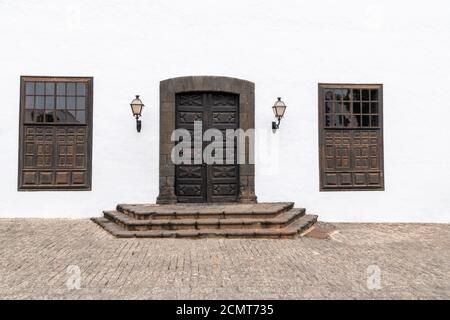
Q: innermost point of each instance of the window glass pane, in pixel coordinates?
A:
(347, 121)
(365, 121)
(337, 107)
(374, 107)
(50, 88)
(39, 102)
(374, 95)
(60, 102)
(71, 89)
(29, 102)
(70, 116)
(365, 107)
(346, 108)
(356, 107)
(81, 89)
(50, 102)
(328, 107)
(60, 88)
(346, 94)
(356, 94)
(81, 102)
(81, 117)
(329, 95)
(40, 88)
(356, 121)
(29, 88)
(28, 116)
(374, 121)
(365, 95)
(71, 102)
(338, 94)
(38, 116)
(49, 116)
(59, 116)
(328, 121)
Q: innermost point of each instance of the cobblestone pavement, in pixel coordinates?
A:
(412, 261)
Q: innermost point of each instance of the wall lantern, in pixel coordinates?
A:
(278, 109)
(136, 108)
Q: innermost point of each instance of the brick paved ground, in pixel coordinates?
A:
(414, 260)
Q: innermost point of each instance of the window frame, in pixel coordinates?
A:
(322, 129)
(89, 81)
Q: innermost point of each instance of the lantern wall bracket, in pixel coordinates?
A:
(138, 124)
(276, 125)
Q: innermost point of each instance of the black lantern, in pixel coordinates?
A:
(278, 110)
(136, 108)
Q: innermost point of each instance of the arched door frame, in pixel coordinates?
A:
(168, 90)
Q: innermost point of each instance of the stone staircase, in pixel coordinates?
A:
(262, 220)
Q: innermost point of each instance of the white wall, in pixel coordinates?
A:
(285, 47)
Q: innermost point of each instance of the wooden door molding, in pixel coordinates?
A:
(168, 90)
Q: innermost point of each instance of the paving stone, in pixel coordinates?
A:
(412, 260)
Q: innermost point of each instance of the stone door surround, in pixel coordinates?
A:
(168, 89)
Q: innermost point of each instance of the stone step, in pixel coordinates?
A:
(204, 211)
(129, 223)
(291, 231)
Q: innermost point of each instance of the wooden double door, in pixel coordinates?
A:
(208, 181)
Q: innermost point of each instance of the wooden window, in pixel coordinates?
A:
(351, 137)
(55, 133)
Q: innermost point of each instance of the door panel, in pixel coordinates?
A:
(190, 185)
(223, 179)
(208, 182)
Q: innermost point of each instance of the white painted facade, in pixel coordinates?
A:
(285, 47)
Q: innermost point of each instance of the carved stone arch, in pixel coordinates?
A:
(168, 90)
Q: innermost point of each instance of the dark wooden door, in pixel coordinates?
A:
(208, 182)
